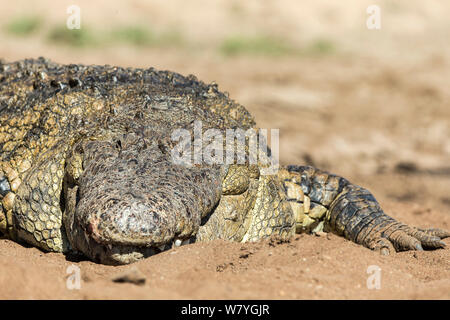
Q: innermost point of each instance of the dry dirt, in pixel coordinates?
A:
(376, 110)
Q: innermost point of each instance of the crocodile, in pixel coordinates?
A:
(87, 167)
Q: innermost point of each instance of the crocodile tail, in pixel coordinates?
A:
(323, 201)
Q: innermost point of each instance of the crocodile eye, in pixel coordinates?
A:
(5, 188)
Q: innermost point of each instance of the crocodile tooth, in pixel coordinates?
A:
(161, 247)
(185, 242)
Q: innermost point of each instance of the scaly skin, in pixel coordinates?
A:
(86, 166)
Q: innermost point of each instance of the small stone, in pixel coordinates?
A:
(132, 275)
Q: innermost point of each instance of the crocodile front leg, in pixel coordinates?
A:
(324, 201)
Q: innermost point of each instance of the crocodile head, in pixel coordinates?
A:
(125, 199)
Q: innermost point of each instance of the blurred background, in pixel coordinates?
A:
(372, 105)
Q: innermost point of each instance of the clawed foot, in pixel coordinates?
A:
(402, 238)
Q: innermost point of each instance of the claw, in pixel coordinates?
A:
(428, 238)
(382, 245)
(403, 242)
(436, 232)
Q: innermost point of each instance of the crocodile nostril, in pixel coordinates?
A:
(5, 188)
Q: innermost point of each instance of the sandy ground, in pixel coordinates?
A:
(375, 110)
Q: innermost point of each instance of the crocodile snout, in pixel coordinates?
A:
(125, 211)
